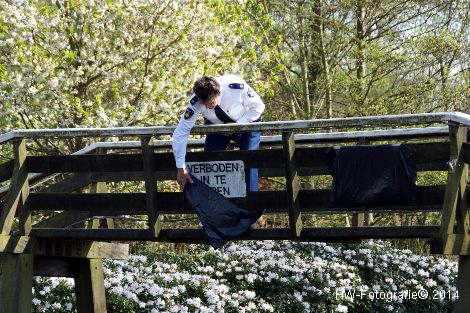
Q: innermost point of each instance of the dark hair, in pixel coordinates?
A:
(206, 88)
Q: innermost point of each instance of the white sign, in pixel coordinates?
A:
(225, 177)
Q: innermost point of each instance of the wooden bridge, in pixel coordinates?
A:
(60, 245)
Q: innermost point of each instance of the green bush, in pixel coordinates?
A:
(269, 277)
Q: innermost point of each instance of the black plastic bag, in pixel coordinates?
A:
(380, 175)
(221, 219)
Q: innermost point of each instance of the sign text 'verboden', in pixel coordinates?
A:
(226, 177)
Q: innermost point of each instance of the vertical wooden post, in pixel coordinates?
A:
(148, 158)
(16, 199)
(16, 282)
(100, 187)
(358, 219)
(462, 214)
(292, 184)
(89, 287)
(456, 210)
(455, 207)
(463, 285)
(362, 219)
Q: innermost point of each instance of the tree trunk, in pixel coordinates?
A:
(304, 63)
(306, 88)
(360, 60)
(326, 65)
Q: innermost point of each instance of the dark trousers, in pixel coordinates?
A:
(246, 141)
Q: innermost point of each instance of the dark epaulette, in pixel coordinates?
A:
(236, 86)
(193, 100)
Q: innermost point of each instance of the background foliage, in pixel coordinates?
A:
(102, 63)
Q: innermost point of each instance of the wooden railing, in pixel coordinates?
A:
(286, 156)
(439, 143)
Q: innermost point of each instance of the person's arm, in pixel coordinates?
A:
(253, 104)
(180, 141)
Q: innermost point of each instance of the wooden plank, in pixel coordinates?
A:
(151, 196)
(15, 244)
(452, 244)
(404, 119)
(109, 223)
(428, 198)
(131, 203)
(16, 282)
(430, 156)
(79, 248)
(55, 267)
(8, 136)
(358, 219)
(72, 183)
(460, 118)
(266, 171)
(84, 163)
(309, 161)
(129, 176)
(372, 135)
(263, 172)
(134, 162)
(24, 212)
(463, 216)
(62, 219)
(292, 184)
(426, 156)
(313, 161)
(89, 287)
(94, 234)
(267, 158)
(63, 248)
(17, 195)
(370, 232)
(198, 235)
(33, 180)
(170, 174)
(93, 222)
(463, 219)
(462, 303)
(456, 179)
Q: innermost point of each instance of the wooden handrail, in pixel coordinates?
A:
(405, 119)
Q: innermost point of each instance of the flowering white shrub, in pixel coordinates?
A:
(269, 277)
(104, 63)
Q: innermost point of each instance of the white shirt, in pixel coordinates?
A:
(237, 99)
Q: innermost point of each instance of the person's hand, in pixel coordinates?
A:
(182, 177)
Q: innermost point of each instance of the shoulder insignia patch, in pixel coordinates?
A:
(236, 86)
(188, 113)
(193, 100)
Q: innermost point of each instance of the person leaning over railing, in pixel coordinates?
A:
(222, 99)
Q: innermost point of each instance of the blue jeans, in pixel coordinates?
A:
(246, 141)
